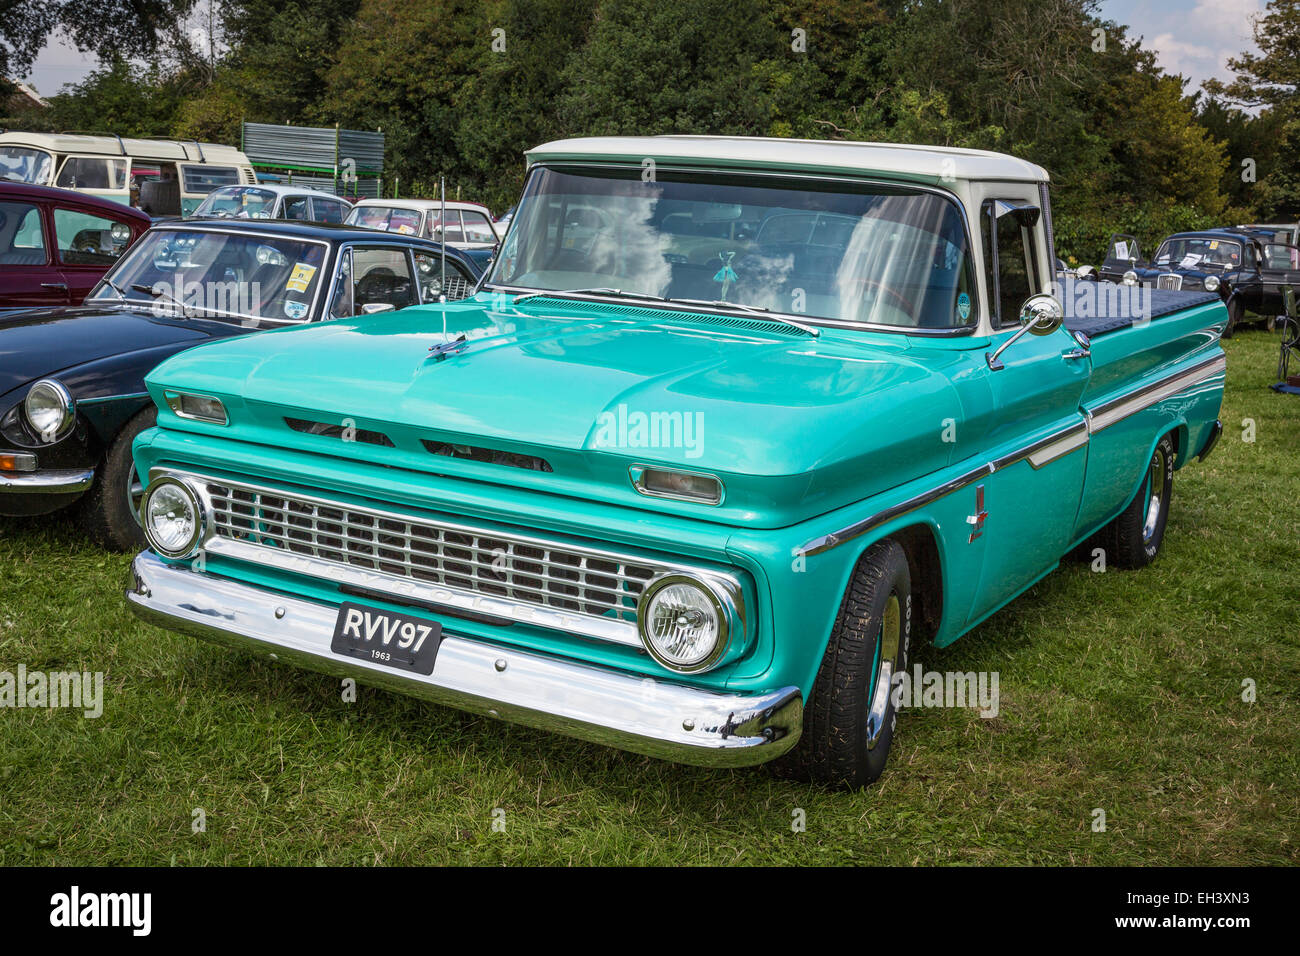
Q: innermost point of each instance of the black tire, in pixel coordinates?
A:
(1133, 539)
(1234, 318)
(845, 740)
(107, 510)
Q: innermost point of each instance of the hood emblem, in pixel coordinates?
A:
(440, 352)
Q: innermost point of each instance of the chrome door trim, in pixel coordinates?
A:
(1038, 453)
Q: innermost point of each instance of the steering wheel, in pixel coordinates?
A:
(908, 307)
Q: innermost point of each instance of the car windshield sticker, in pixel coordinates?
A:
(294, 309)
(1121, 250)
(1190, 260)
(963, 306)
(301, 278)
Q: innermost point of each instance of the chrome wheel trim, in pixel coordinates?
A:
(1155, 494)
(134, 493)
(888, 644)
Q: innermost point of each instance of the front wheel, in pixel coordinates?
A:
(108, 511)
(848, 724)
(1235, 312)
(1133, 539)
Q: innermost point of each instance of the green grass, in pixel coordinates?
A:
(1120, 691)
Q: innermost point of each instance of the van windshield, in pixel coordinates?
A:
(850, 252)
(22, 164)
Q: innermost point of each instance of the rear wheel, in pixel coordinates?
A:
(109, 509)
(848, 725)
(1133, 539)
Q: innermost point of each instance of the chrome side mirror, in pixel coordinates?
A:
(1041, 314)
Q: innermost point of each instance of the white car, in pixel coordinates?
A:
(469, 225)
(269, 201)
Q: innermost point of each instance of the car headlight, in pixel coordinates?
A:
(50, 410)
(1211, 283)
(173, 517)
(685, 622)
(1130, 278)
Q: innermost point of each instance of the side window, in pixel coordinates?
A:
(327, 210)
(92, 172)
(296, 207)
(87, 240)
(1008, 260)
(477, 228)
(429, 268)
(21, 240)
(373, 277)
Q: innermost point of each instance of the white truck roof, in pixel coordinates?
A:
(422, 205)
(929, 164)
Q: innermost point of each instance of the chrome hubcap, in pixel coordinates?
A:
(1155, 494)
(134, 493)
(888, 644)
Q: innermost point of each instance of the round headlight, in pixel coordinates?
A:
(50, 410)
(684, 622)
(1130, 278)
(173, 518)
(1211, 283)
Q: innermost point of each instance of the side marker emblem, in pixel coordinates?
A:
(976, 521)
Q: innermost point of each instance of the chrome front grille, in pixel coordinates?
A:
(1169, 280)
(594, 591)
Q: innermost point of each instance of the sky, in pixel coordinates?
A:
(1191, 37)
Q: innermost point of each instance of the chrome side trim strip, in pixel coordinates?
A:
(48, 482)
(1117, 409)
(658, 718)
(1038, 453)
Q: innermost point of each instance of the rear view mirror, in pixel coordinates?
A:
(1041, 314)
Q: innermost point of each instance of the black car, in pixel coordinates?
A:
(1248, 271)
(72, 395)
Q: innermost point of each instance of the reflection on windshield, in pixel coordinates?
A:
(25, 165)
(1199, 254)
(239, 202)
(265, 280)
(859, 253)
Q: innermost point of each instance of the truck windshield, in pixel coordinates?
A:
(848, 253)
(23, 164)
(264, 280)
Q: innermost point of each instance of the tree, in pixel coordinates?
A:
(1271, 79)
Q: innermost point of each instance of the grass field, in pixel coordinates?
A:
(1120, 691)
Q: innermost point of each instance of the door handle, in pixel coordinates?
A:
(55, 286)
(1083, 351)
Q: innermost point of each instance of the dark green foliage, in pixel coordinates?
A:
(462, 88)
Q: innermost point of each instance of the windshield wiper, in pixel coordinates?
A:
(752, 310)
(159, 294)
(116, 288)
(597, 291)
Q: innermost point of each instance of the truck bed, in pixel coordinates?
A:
(1163, 302)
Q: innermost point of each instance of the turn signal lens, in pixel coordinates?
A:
(683, 485)
(201, 408)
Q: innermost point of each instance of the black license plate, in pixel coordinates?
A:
(382, 637)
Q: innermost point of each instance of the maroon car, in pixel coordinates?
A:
(55, 244)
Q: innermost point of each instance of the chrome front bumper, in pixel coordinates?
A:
(66, 482)
(660, 719)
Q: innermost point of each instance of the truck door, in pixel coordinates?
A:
(1025, 510)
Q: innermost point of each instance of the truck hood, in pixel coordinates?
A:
(591, 388)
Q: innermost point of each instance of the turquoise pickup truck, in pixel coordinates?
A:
(729, 425)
